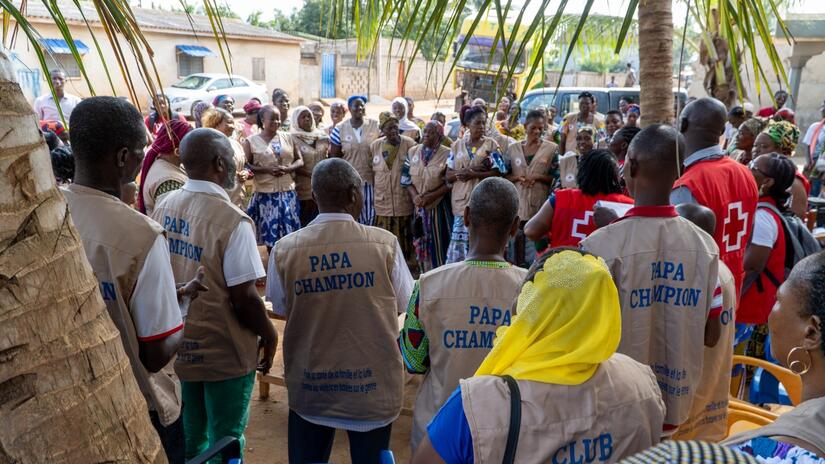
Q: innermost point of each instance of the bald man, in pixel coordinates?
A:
(714, 180)
(707, 420)
(341, 286)
(219, 354)
(455, 309)
(665, 269)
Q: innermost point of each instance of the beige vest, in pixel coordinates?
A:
(805, 422)
(665, 270)
(616, 413)
(356, 152)
(117, 240)
(341, 358)
(236, 195)
(460, 306)
(312, 156)
(568, 170)
(709, 412)
(264, 156)
(430, 177)
(160, 172)
(530, 199)
(391, 199)
(215, 344)
(462, 189)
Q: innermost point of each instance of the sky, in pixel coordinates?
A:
(610, 7)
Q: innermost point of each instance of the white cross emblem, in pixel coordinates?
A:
(738, 225)
(588, 215)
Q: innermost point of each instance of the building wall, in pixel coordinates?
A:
(281, 65)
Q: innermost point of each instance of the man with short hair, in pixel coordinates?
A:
(45, 107)
(714, 180)
(129, 255)
(779, 98)
(455, 309)
(219, 353)
(575, 121)
(341, 286)
(665, 269)
(736, 116)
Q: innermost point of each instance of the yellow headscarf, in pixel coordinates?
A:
(568, 322)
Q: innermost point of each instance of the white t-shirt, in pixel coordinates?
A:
(765, 229)
(46, 109)
(154, 306)
(820, 139)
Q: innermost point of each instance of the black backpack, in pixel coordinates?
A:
(799, 242)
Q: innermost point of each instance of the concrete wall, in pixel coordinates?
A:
(282, 61)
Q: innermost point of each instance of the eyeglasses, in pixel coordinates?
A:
(753, 167)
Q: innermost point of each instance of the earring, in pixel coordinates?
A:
(805, 366)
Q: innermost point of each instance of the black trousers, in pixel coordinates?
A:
(171, 438)
(311, 443)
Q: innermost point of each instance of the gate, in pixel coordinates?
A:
(327, 75)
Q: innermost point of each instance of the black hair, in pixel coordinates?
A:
(616, 112)
(494, 205)
(782, 170)
(598, 173)
(628, 99)
(737, 112)
(780, 92)
(259, 118)
(627, 133)
(52, 140)
(808, 276)
(63, 163)
(470, 114)
(586, 94)
(103, 125)
(276, 94)
(535, 114)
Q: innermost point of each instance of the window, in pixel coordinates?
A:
(189, 64)
(238, 82)
(220, 84)
(258, 69)
(63, 61)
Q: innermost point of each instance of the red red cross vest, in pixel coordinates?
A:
(757, 302)
(573, 216)
(727, 188)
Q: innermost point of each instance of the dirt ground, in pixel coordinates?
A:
(266, 434)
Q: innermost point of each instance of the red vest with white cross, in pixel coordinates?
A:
(573, 215)
(727, 188)
(759, 299)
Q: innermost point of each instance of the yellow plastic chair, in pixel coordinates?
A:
(791, 381)
(740, 421)
(735, 403)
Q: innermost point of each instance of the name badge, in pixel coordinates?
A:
(348, 138)
(376, 160)
(518, 161)
(276, 147)
(570, 178)
(304, 149)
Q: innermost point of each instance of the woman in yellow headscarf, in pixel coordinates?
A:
(579, 400)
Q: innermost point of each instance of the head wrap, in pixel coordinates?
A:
(634, 108)
(353, 98)
(754, 125)
(554, 338)
(53, 126)
(308, 137)
(784, 135)
(439, 129)
(167, 141)
(252, 106)
(220, 98)
(385, 117)
(786, 114)
(404, 124)
(748, 107)
(197, 111)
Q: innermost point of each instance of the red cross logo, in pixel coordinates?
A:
(585, 221)
(735, 228)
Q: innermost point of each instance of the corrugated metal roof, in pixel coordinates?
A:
(163, 20)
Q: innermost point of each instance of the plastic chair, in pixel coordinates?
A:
(791, 381)
(742, 421)
(734, 403)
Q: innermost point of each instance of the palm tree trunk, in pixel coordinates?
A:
(656, 61)
(67, 393)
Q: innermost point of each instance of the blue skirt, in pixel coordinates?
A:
(275, 215)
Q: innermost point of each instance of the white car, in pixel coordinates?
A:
(204, 87)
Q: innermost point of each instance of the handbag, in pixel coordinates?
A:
(515, 420)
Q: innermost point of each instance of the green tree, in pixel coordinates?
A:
(221, 10)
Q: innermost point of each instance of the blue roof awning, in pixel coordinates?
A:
(195, 50)
(59, 46)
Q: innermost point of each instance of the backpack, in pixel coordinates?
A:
(799, 242)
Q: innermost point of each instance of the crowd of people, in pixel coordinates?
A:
(570, 292)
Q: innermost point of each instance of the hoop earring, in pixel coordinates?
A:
(805, 366)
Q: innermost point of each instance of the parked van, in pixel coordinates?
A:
(566, 99)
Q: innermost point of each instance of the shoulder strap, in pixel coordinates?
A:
(515, 420)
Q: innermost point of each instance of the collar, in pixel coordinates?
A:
(329, 217)
(714, 151)
(664, 211)
(204, 186)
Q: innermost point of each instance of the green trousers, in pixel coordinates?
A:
(213, 410)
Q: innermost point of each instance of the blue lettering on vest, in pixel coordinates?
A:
(107, 289)
(570, 454)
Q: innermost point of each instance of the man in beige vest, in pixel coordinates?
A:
(217, 359)
(341, 286)
(129, 255)
(709, 412)
(665, 269)
(454, 310)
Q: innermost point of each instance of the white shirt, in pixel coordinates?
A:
(154, 305)
(402, 281)
(765, 229)
(46, 109)
(241, 260)
(820, 139)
